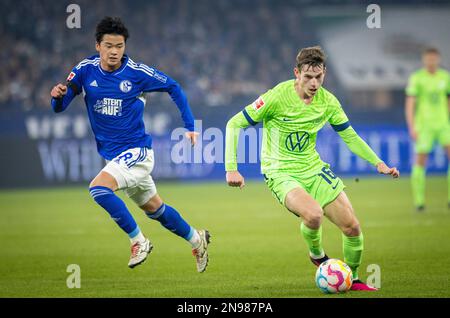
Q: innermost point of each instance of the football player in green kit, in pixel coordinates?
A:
(292, 113)
(427, 108)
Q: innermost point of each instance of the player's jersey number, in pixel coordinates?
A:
(131, 157)
(328, 176)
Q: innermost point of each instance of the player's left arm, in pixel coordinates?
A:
(360, 148)
(356, 144)
(160, 82)
(63, 94)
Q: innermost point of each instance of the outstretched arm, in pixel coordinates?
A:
(252, 114)
(157, 81)
(234, 126)
(339, 122)
(180, 99)
(360, 148)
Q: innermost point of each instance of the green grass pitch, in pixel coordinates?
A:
(256, 249)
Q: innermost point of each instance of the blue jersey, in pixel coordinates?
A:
(115, 102)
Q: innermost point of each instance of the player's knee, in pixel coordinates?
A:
(96, 182)
(104, 179)
(352, 228)
(313, 218)
(152, 208)
(421, 160)
(93, 183)
(152, 205)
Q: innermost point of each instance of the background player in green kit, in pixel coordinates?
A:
(292, 113)
(427, 108)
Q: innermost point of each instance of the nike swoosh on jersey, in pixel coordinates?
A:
(335, 185)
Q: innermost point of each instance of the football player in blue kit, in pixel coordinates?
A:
(114, 88)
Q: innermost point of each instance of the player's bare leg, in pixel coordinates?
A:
(102, 189)
(299, 202)
(170, 219)
(153, 204)
(418, 181)
(104, 179)
(341, 213)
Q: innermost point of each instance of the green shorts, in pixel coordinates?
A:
(426, 139)
(324, 186)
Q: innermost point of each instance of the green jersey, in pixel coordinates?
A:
(431, 92)
(290, 130)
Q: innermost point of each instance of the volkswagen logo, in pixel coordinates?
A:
(297, 141)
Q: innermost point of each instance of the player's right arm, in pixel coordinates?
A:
(233, 129)
(410, 105)
(63, 94)
(251, 115)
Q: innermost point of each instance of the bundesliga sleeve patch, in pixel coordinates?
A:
(258, 104)
(71, 76)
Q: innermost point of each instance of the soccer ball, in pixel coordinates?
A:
(334, 276)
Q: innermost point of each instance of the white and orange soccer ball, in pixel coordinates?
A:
(334, 276)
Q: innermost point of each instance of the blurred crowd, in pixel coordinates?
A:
(224, 53)
(221, 51)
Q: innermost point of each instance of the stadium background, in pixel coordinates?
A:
(224, 53)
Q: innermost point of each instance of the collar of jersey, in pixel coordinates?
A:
(120, 69)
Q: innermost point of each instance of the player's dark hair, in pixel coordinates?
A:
(431, 50)
(109, 25)
(312, 56)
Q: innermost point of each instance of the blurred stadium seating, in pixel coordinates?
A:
(224, 53)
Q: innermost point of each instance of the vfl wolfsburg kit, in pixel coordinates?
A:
(431, 118)
(288, 157)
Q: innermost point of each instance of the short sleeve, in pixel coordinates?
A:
(261, 108)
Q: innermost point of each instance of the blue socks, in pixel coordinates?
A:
(166, 215)
(106, 198)
(172, 220)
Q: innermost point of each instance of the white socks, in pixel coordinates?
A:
(138, 238)
(195, 240)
